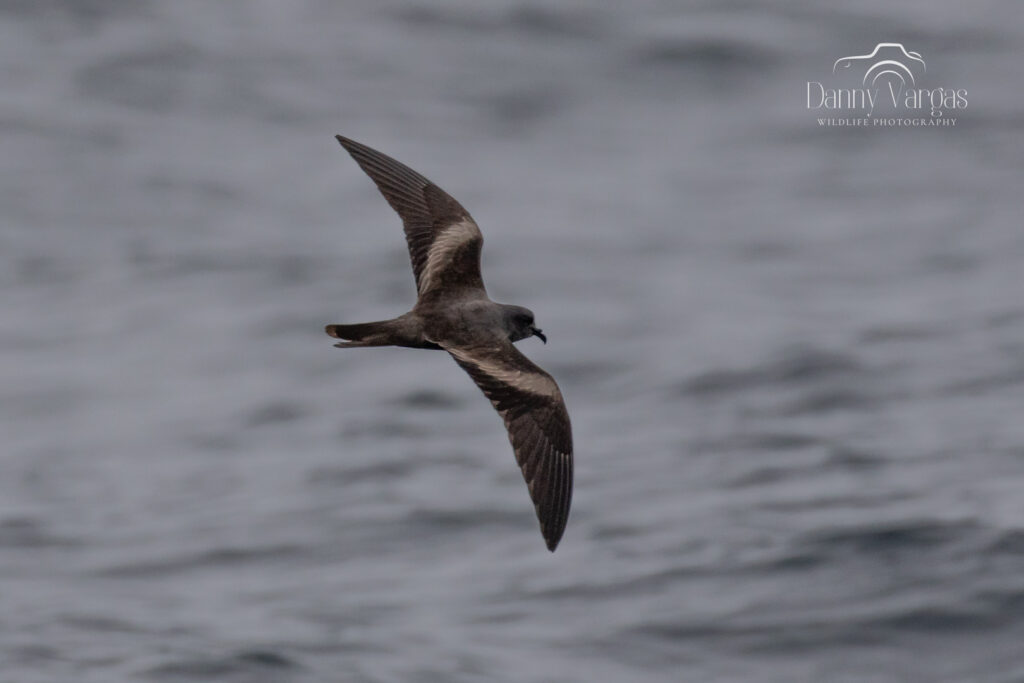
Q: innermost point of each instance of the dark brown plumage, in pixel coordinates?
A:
(454, 313)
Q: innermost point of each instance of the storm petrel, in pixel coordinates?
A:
(454, 313)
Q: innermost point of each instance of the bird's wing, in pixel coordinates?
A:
(444, 241)
(531, 405)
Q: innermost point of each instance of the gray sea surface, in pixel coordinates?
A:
(793, 354)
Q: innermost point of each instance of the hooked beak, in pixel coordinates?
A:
(538, 333)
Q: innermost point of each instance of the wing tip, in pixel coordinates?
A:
(552, 537)
(345, 142)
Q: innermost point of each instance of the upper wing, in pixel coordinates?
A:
(444, 241)
(531, 405)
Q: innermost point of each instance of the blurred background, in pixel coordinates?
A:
(793, 355)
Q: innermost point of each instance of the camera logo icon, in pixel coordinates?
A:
(887, 60)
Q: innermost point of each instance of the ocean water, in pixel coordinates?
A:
(793, 354)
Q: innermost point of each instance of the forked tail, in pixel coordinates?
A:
(405, 330)
(378, 333)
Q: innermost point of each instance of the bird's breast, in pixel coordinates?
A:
(464, 323)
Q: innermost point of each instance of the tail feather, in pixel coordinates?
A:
(361, 334)
(402, 331)
(356, 332)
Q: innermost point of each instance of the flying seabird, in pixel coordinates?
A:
(454, 313)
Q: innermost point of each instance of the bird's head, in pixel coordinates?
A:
(520, 324)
